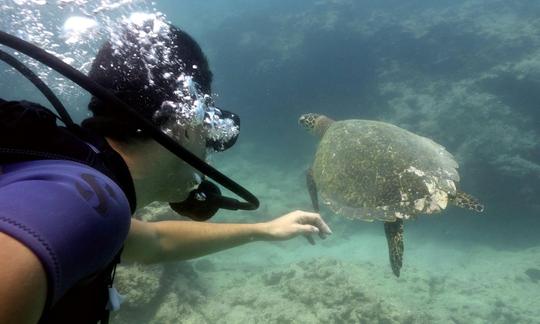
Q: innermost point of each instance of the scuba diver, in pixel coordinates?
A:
(68, 192)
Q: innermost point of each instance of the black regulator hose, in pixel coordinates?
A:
(47, 92)
(251, 202)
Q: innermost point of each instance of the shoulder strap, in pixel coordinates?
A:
(28, 131)
(109, 162)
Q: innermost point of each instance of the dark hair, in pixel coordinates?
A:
(125, 72)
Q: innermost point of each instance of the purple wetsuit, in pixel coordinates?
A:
(74, 218)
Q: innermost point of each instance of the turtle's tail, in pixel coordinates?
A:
(394, 237)
(467, 201)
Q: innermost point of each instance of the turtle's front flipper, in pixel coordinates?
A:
(312, 188)
(394, 237)
(467, 201)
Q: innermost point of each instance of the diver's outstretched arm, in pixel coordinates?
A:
(182, 240)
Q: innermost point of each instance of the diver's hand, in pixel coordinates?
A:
(296, 223)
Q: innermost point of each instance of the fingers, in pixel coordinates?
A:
(301, 222)
(324, 229)
(315, 220)
(307, 230)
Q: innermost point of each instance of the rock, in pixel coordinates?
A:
(146, 287)
(533, 273)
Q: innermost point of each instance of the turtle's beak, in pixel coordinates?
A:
(303, 121)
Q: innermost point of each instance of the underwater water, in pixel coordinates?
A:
(463, 73)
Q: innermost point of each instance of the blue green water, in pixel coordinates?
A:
(464, 73)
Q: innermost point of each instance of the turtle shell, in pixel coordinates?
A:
(373, 170)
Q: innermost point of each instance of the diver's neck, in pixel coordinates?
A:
(143, 189)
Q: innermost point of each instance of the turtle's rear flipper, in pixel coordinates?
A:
(312, 188)
(394, 237)
(467, 201)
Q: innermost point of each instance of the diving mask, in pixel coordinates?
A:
(191, 108)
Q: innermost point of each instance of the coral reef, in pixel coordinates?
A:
(149, 288)
(333, 290)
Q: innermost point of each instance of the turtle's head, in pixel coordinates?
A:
(315, 123)
(308, 121)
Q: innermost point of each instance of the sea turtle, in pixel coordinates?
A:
(372, 170)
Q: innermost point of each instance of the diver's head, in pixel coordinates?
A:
(143, 72)
(162, 73)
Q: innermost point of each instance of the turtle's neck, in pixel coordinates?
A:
(321, 125)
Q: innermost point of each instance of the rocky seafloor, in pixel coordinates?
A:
(344, 279)
(318, 290)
